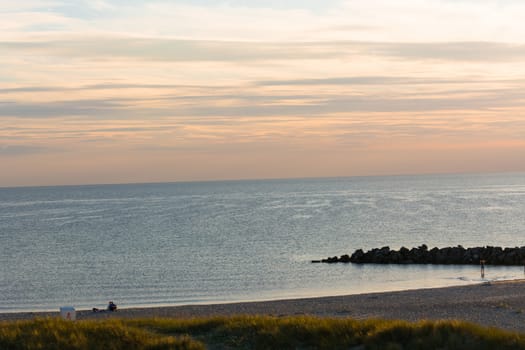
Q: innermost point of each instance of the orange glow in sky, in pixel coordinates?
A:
(151, 91)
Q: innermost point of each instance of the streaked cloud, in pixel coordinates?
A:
(387, 80)
(229, 51)
(162, 91)
(252, 103)
(375, 20)
(18, 150)
(455, 51)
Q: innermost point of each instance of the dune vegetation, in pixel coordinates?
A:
(253, 332)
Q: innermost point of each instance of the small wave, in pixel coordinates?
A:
(301, 216)
(471, 280)
(485, 279)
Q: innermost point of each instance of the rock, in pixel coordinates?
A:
(357, 257)
(344, 258)
(422, 255)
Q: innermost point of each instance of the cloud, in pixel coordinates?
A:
(168, 50)
(364, 80)
(93, 108)
(453, 51)
(165, 91)
(32, 89)
(374, 20)
(256, 104)
(101, 86)
(20, 150)
(21, 6)
(119, 80)
(112, 48)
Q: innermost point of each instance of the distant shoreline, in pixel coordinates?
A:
(493, 304)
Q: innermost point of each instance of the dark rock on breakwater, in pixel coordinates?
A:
(438, 256)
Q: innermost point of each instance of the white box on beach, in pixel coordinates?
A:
(68, 313)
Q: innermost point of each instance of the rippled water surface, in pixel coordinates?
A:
(167, 244)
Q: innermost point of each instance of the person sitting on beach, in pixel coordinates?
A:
(112, 306)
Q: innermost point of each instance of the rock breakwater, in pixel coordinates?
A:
(437, 256)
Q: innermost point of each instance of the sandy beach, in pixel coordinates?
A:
(497, 304)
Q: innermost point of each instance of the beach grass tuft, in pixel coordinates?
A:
(253, 332)
(54, 333)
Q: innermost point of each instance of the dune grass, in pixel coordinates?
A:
(109, 334)
(253, 332)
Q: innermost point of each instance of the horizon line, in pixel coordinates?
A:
(474, 173)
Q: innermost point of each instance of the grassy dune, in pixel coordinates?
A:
(253, 332)
(110, 334)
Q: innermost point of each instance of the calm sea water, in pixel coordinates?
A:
(180, 243)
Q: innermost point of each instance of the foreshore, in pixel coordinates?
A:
(494, 304)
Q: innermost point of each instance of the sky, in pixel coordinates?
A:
(125, 91)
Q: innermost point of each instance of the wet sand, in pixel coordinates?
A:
(496, 304)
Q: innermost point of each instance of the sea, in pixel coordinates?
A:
(145, 245)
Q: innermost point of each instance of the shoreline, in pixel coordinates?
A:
(498, 304)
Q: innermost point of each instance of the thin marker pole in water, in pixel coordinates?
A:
(482, 265)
